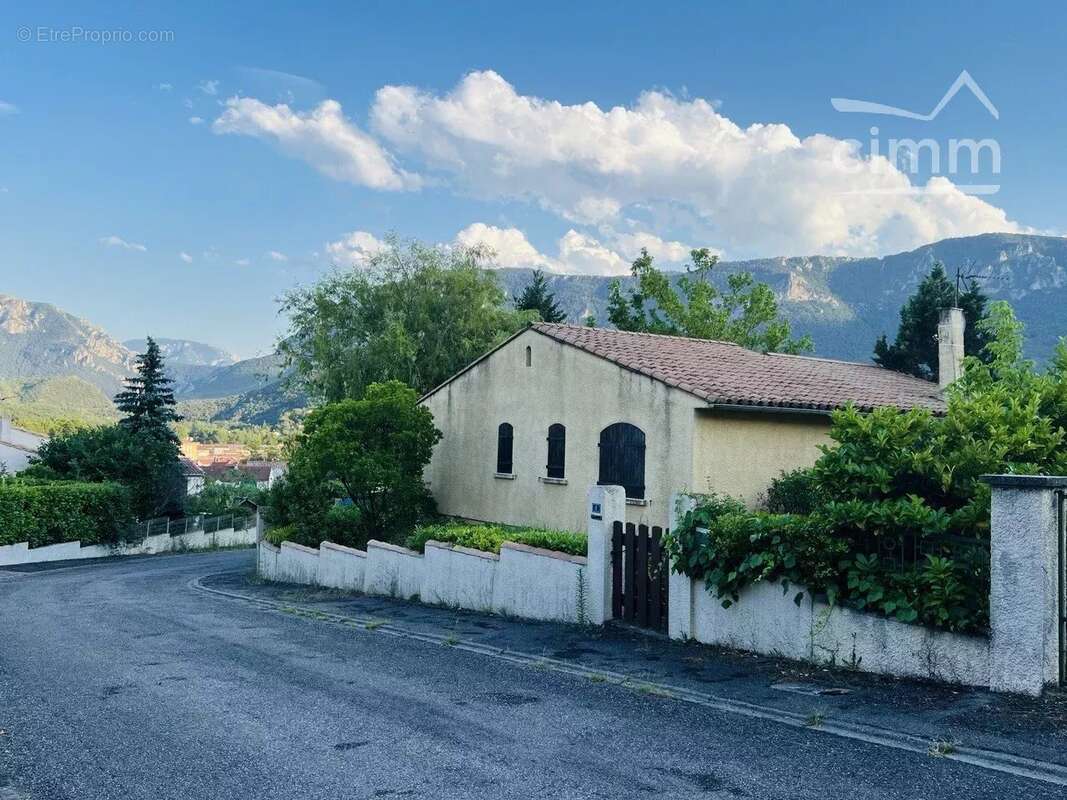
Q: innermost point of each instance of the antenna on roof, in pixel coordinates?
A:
(962, 276)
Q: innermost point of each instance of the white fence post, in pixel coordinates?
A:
(679, 587)
(1024, 583)
(605, 505)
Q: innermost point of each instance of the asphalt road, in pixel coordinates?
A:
(121, 680)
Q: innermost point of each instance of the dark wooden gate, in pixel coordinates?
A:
(639, 572)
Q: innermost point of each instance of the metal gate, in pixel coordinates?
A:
(639, 575)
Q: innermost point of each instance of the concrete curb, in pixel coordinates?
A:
(1019, 766)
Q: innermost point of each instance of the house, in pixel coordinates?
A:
(530, 425)
(194, 476)
(17, 445)
(263, 473)
(204, 454)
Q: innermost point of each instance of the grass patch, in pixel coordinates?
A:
(814, 720)
(489, 538)
(939, 748)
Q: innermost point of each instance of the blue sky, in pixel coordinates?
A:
(266, 144)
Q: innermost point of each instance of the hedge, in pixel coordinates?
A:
(62, 511)
(490, 537)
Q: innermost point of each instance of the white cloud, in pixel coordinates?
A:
(164, 87)
(631, 244)
(188, 259)
(196, 120)
(581, 253)
(323, 138)
(275, 255)
(118, 241)
(210, 88)
(576, 252)
(354, 249)
(8, 108)
(756, 190)
(510, 246)
(243, 262)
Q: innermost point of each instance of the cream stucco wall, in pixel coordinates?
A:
(566, 385)
(738, 454)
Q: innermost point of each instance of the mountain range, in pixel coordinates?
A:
(846, 303)
(54, 361)
(54, 365)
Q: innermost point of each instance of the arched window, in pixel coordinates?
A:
(529, 356)
(557, 451)
(622, 458)
(504, 438)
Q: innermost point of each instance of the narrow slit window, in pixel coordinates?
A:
(505, 436)
(529, 356)
(557, 452)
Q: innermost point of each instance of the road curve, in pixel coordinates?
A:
(120, 680)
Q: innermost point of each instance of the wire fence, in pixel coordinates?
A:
(179, 527)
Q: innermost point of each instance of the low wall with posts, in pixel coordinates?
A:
(22, 553)
(521, 581)
(1022, 653)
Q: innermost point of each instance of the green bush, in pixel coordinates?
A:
(341, 525)
(731, 547)
(489, 537)
(795, 492)
(44, 513)
(893, 517)
(285, 533)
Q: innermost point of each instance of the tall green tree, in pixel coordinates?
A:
(148, 400)
(745, 312)
(537, 297)
(914, 350)
(415, 313)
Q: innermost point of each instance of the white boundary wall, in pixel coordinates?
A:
(766, 620)
(22, 553)
(522, 581)
(1019, 655)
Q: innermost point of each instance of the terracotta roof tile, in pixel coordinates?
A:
(725, 373)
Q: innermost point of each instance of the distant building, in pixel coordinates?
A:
(194, 477)
(17, 445)
(263, 473)
(205, 454)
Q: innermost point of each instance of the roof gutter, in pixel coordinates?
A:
(776, 410)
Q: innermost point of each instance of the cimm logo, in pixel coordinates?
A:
(941, 157)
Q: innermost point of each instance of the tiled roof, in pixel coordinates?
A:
(728, 374)
(255, 472)
(190, 468)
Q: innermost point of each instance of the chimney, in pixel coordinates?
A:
(950, 345)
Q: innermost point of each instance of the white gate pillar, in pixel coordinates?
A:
(605, 505)
(1024, 582)
(679, 586)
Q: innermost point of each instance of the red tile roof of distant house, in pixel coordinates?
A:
(727, 374)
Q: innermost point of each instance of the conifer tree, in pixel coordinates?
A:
(537, 297)
(914, 350)
(148, 400)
